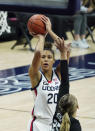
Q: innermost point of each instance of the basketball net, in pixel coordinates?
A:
(3, 23)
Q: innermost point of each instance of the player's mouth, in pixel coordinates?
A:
(45, 64)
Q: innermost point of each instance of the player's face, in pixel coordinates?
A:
(47, 60)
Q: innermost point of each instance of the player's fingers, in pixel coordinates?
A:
(62, 42)
(32, 33)
(58, 41)
(69, 46)
(58, 45)
(44, 19)
(63, 38)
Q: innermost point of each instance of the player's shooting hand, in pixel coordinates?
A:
(47, 22)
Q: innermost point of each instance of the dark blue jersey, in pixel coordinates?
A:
(63, 90)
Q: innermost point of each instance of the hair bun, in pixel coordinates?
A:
(48, 45)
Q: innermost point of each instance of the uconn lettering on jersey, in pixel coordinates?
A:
(48, 87)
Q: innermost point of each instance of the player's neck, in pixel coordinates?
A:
(48, 75)
(74, 115)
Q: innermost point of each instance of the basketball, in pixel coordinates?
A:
(35, 25)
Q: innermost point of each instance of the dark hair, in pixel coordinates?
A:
(48, 46)
(68, 103)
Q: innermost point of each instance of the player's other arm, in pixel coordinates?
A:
(64, 86)
(35, 66)
(64, 50)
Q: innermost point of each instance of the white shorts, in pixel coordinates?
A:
(39, 125)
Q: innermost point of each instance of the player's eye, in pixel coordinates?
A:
(49, 56)
(43, 56)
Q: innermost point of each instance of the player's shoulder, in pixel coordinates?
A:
(75, 124)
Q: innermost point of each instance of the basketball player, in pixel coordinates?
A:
(65, 115)
(45, 82)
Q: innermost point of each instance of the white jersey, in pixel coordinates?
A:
(46, 99)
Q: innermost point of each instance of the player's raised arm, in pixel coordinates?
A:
(57, 40)
(34, 67)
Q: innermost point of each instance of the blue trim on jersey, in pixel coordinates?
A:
(46, 78)
(56, 74)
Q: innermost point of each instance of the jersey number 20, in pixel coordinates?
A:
(52, 98)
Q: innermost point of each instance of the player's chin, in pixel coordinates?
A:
(46, 68)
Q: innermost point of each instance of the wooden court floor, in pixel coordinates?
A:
(15, 108)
